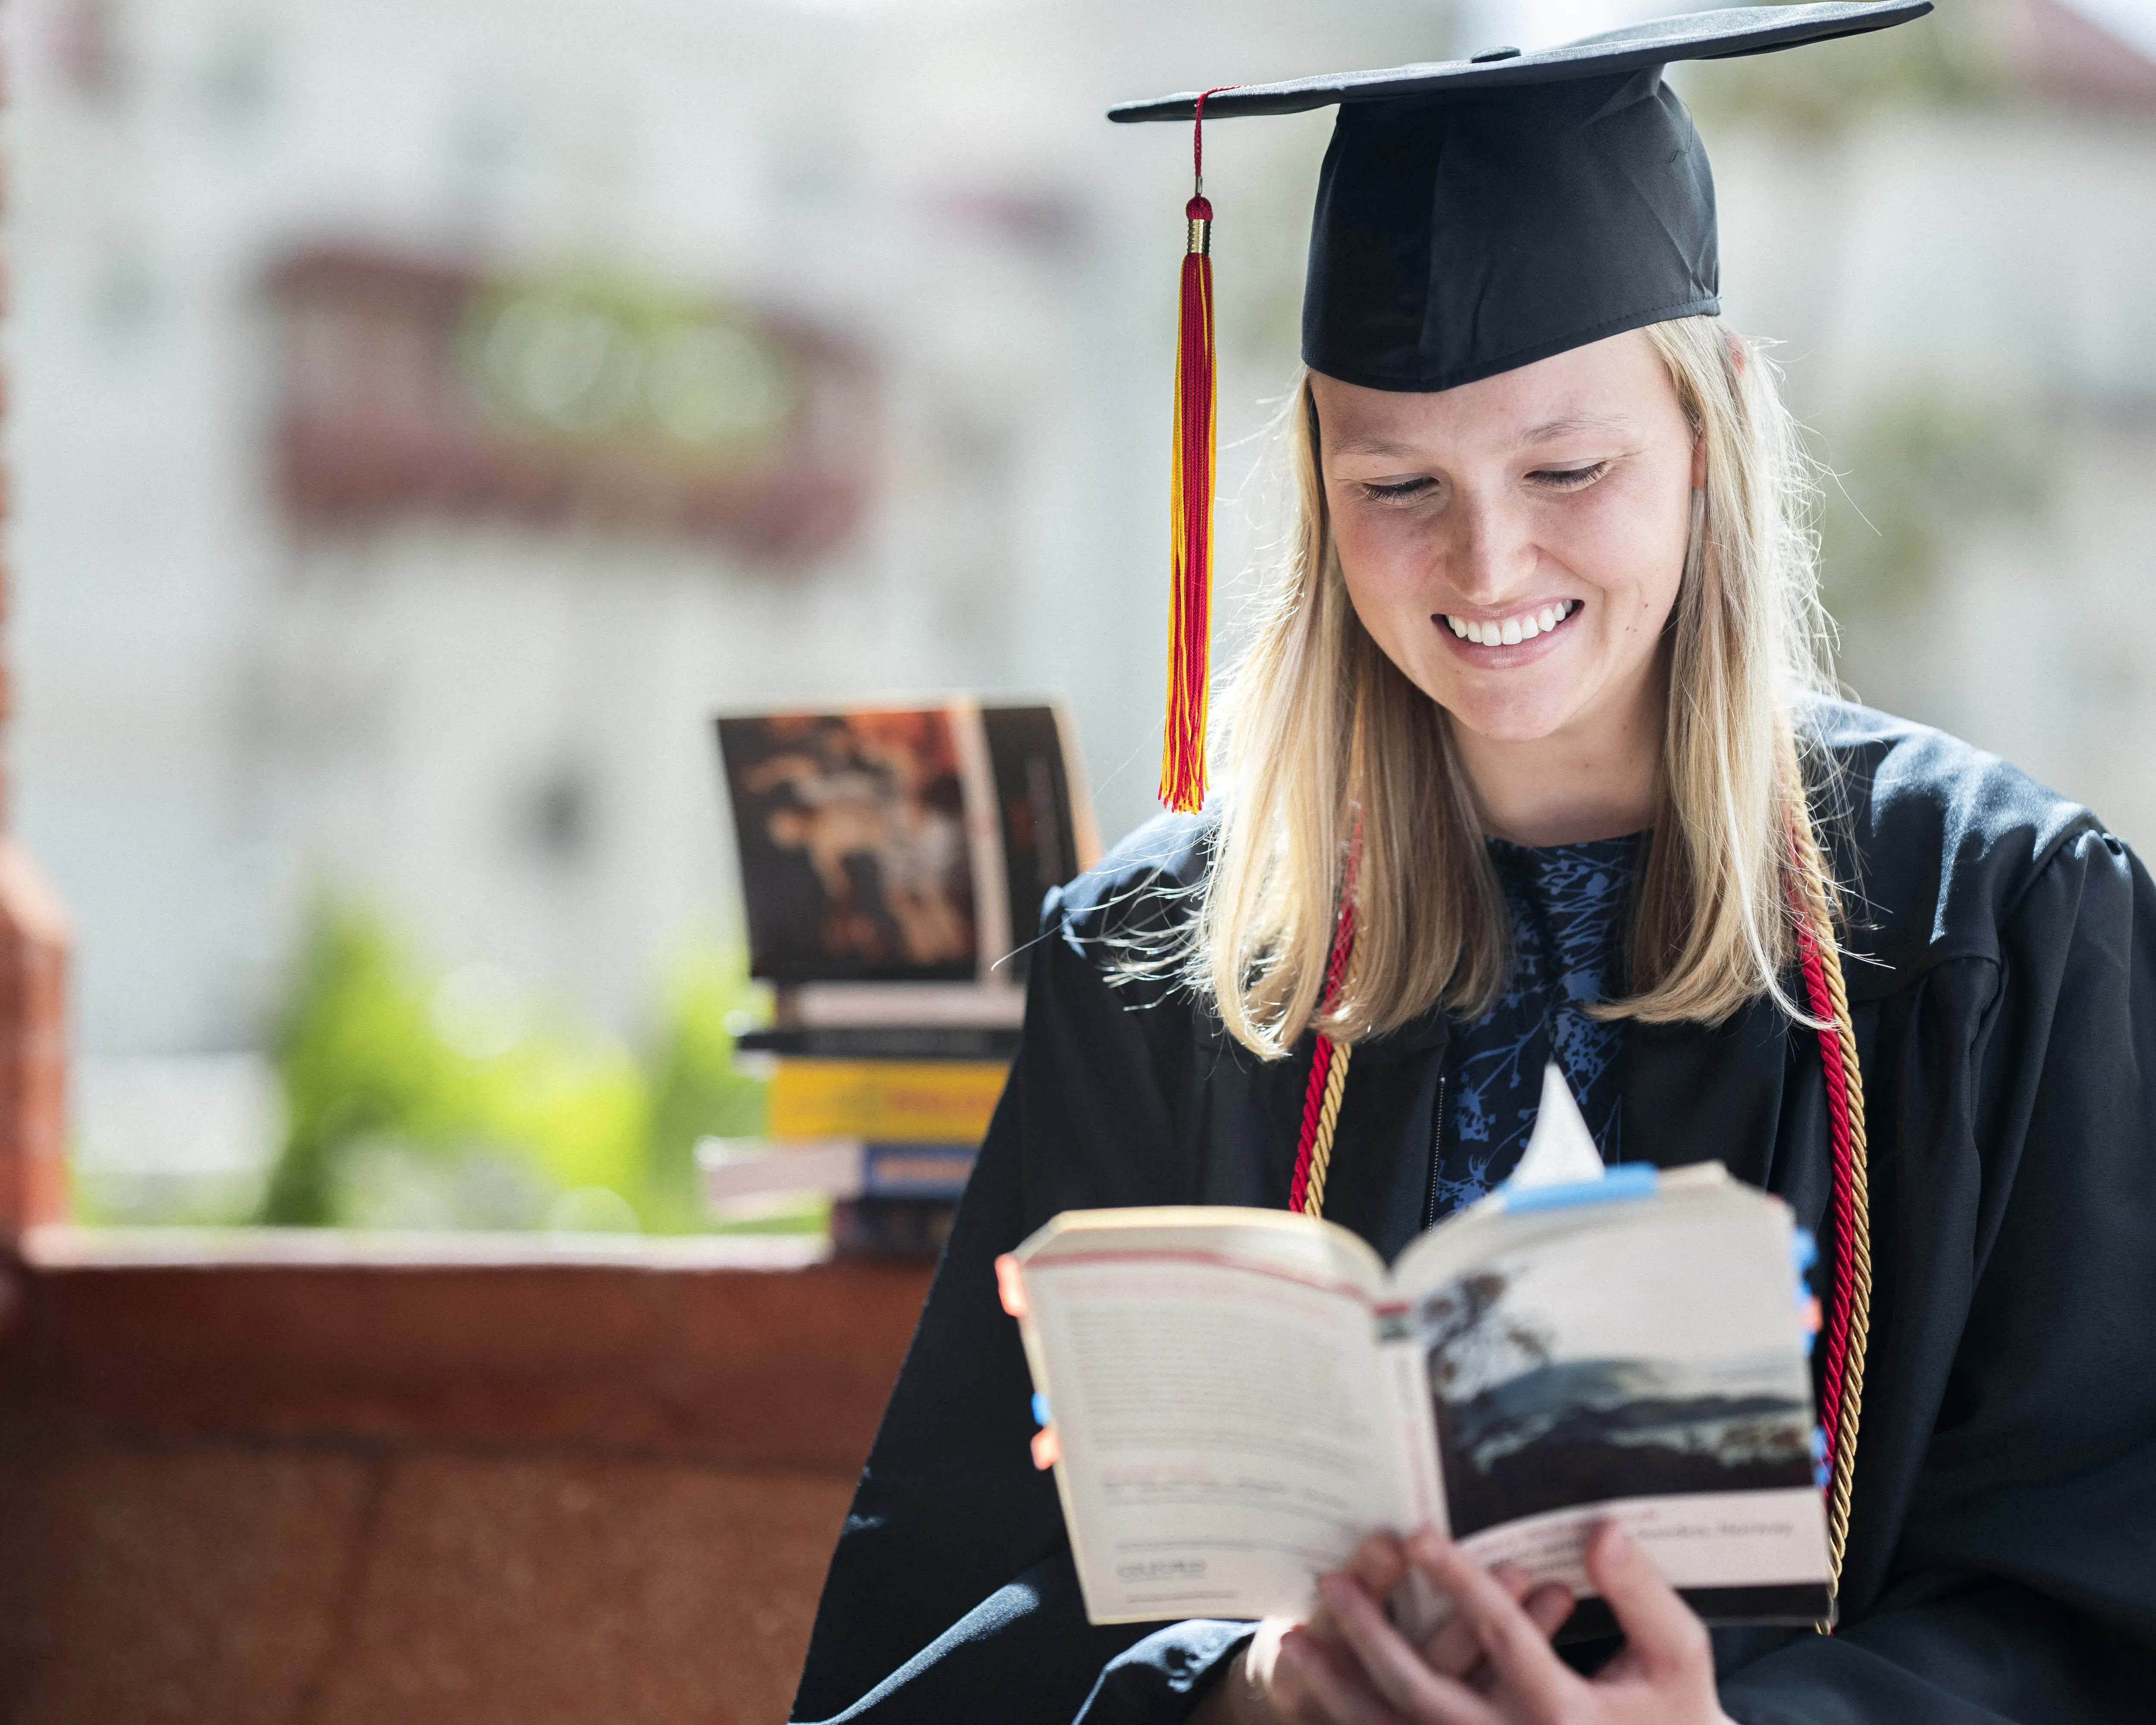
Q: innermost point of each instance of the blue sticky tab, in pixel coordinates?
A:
(1627, 1179)
(1803, 1250)
(1039, 1409)
(1819, 1443)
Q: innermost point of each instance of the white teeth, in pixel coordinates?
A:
(1513, 630)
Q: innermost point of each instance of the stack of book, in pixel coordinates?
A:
(892, 863)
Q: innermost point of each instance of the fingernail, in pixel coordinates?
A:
(1619, 1544)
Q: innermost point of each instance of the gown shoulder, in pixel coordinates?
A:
(1935, 843)
(1144, 888)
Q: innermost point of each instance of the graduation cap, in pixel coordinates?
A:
(1472, 216)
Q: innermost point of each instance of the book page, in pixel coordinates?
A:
(1225, 1434)
(1642, 1361)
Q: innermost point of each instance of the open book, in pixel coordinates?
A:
(1231, 1399)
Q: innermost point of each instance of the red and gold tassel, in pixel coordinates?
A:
(1190, 504)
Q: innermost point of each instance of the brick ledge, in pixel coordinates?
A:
(63, 1246)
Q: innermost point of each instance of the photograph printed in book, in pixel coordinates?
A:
(1535, 1418)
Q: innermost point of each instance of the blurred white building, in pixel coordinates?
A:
(498, 728)
(1963, 294)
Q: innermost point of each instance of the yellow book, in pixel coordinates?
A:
(889, 1102)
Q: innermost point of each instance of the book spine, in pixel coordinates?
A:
(930, 1171)
(890, 1227)
(896, 1042)
(888, 1102)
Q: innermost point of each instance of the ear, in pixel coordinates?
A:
(1739, 354)
(1699, 462)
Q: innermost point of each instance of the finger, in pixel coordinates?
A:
(1664, 1632)
(1453, 1649)
(1322, 1685)
(1396, 1670)
(1549, 1607)
(1378, 1566)
(1518, 1648)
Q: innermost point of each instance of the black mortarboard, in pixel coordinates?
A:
(1473, 216)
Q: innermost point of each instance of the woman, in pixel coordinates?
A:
(1530, 760)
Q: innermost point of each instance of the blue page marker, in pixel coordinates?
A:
(1627, 1179)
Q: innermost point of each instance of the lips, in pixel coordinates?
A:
(1509, 631)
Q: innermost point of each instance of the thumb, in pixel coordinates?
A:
(1664, 1633)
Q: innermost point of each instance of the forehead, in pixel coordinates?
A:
(1619, 384)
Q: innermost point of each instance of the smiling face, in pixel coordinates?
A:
(1515, 545)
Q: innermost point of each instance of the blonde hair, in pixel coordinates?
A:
(1323, 729)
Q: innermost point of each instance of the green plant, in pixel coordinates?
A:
(695, 1090)
(423, 1098)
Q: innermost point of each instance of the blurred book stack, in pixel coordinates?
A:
(893, 861)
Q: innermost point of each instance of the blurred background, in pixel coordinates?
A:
(424, 416)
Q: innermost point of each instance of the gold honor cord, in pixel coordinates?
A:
(1852, 1176)
(1328, 1060)
(1328, 1117)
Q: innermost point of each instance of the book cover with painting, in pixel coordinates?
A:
(906, 845)
(1234, 1398)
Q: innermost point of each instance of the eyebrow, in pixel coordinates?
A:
(1376, 446)
(1386, 449)
(1566, 427)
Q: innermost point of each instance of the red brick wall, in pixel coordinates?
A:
(33, 942)
(521, 1493)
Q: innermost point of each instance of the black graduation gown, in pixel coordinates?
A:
(2002, 1554)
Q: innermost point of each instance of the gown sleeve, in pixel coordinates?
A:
(952, 1595)
(2023, 1583)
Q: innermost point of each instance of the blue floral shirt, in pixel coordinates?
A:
(1567, 904)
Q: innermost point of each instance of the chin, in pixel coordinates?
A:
(1525, 717)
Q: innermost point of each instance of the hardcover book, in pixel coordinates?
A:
(746, 1176)
(895, 1102)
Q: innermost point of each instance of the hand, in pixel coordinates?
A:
(1307, 1674)
(1664, 1676)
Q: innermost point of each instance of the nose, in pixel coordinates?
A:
(1488, 552)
